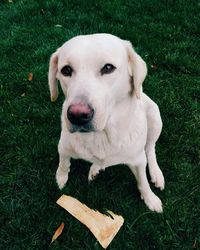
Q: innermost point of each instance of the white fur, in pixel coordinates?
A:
(127, 122)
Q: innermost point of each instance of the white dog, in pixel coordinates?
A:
(106, 118)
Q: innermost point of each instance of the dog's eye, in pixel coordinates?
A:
(67, 70)
(107, 69)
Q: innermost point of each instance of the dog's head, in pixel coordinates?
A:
(96, 73)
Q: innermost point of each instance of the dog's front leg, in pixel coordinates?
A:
(150, 199)
(64, 159)
(63, 171)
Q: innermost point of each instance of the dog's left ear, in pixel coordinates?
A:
(137, 68)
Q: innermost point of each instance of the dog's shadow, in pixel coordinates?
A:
(113, 188)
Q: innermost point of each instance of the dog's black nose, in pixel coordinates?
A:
(80, 114)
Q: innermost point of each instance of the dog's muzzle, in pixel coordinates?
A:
(80, 116)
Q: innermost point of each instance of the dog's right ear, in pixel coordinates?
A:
(53, 68)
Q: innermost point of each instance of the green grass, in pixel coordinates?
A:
(165, 33)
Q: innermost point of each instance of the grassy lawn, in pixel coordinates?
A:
(165, 34)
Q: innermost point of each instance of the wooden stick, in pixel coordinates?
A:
(103, 227)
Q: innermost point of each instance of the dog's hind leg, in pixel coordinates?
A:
(94, 171)
(154, 129)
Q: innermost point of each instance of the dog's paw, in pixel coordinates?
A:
(61, 177)
(157, 177)
(94, 171)
(153, 202)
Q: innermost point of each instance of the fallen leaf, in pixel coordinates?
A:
(30, 76)
(58, 232)
(194, 246)
(58, 25)
(42, 11)
(153, 66)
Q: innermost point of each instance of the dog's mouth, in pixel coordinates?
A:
(87, 128)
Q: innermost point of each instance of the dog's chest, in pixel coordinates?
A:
(111, 147)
